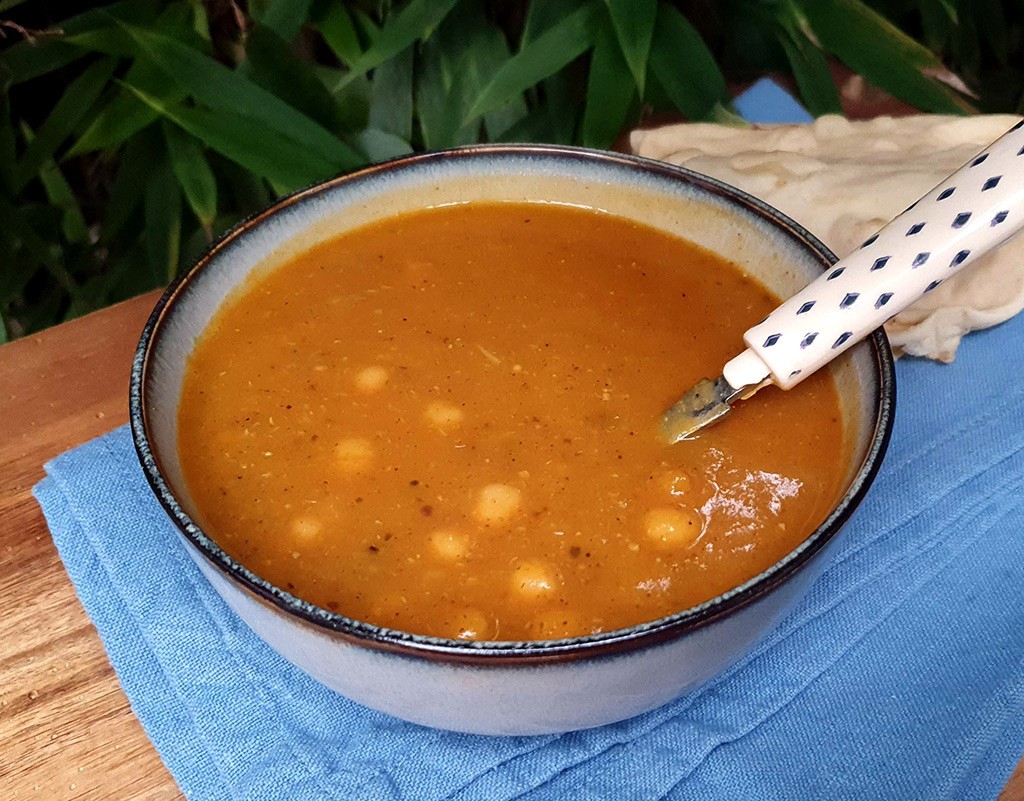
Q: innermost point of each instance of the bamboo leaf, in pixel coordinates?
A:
(610, 91)
(216, 86)
(276, 68)
(685, 67)
(808, 63)
(391, 96)
(47, 53)
(415, 21)
(436, 106)
(190, 167)
(543, 57)
(60, 196)
(126, 193)
(125, 115)
(271, 155)
(473, 48)
(382, 145)
(633, 21)
(339, 32)
(76, 101)
(875, 48)
(543, 16)
(162, 214)
(284, 17)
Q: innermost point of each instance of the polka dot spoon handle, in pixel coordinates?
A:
(974, 210)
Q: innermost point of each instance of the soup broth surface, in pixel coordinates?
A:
(446, 423)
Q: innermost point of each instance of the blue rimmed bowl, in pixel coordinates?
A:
(505, 687)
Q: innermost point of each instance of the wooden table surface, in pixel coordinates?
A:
(66, 730)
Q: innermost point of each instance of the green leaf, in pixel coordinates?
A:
(633, 21)
(437, 107)
(7, 5)
(3, 325)
(610, 92)
(472, 50)
(276, 68)
(271, 155)
(392, 94)
(126, 193)
(415, 21)
(284, 17)
(162, 214)
(125, 115)
(59, 193)
(993, 25)
(190, 167)
(542, 16)
(76, 101)
(543, 57)
(938, 18)
(685, 67)
(336, 26)
(808, 63)
(216, 86)
(382, 145)
(49, 52)
(876, 49)
(7, 145)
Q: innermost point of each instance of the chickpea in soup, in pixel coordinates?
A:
(445, 423)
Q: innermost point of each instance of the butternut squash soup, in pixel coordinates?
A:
(446, 423)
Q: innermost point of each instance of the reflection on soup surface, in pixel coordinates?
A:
(446, 423)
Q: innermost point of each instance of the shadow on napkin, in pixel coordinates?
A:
(900, 676)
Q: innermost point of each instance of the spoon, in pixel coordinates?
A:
(974, 210)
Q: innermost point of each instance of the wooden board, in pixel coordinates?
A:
(66, 730)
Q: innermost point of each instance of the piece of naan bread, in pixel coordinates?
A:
(845, 179)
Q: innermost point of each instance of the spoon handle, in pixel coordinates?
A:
(974, 210)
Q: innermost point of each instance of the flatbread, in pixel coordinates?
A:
(843, 180)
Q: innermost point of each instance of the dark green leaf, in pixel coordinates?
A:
(271, 155)
(132, 173)
(808, 63)
(994, 28)
(437, 109)
(938, 18)
(3, 330)
(7, 144)
(392, 94)
(610, 91)
(49, 52)
(876, 49)
(214, 85)
(276, 68)
(125, 115)
(473, 50)
(415, 21)
(382, 145)
(190, 167)
(335, 25)
(59, 193)
(284, 17)
(543, 57)
(685, 67)
(633, 21)
(543, 16)
(162, 233)
(76, 101)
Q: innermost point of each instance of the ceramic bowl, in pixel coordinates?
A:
(506, 687)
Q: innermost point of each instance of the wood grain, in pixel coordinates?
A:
(66, 730)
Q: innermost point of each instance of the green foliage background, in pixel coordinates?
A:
(132, 134)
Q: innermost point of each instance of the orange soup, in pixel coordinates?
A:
(446, 423)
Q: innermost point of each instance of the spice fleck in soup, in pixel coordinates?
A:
(446, 423)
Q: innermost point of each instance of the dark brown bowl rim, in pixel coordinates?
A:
(505, 653)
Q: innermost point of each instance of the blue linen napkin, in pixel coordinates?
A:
(900, 676)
